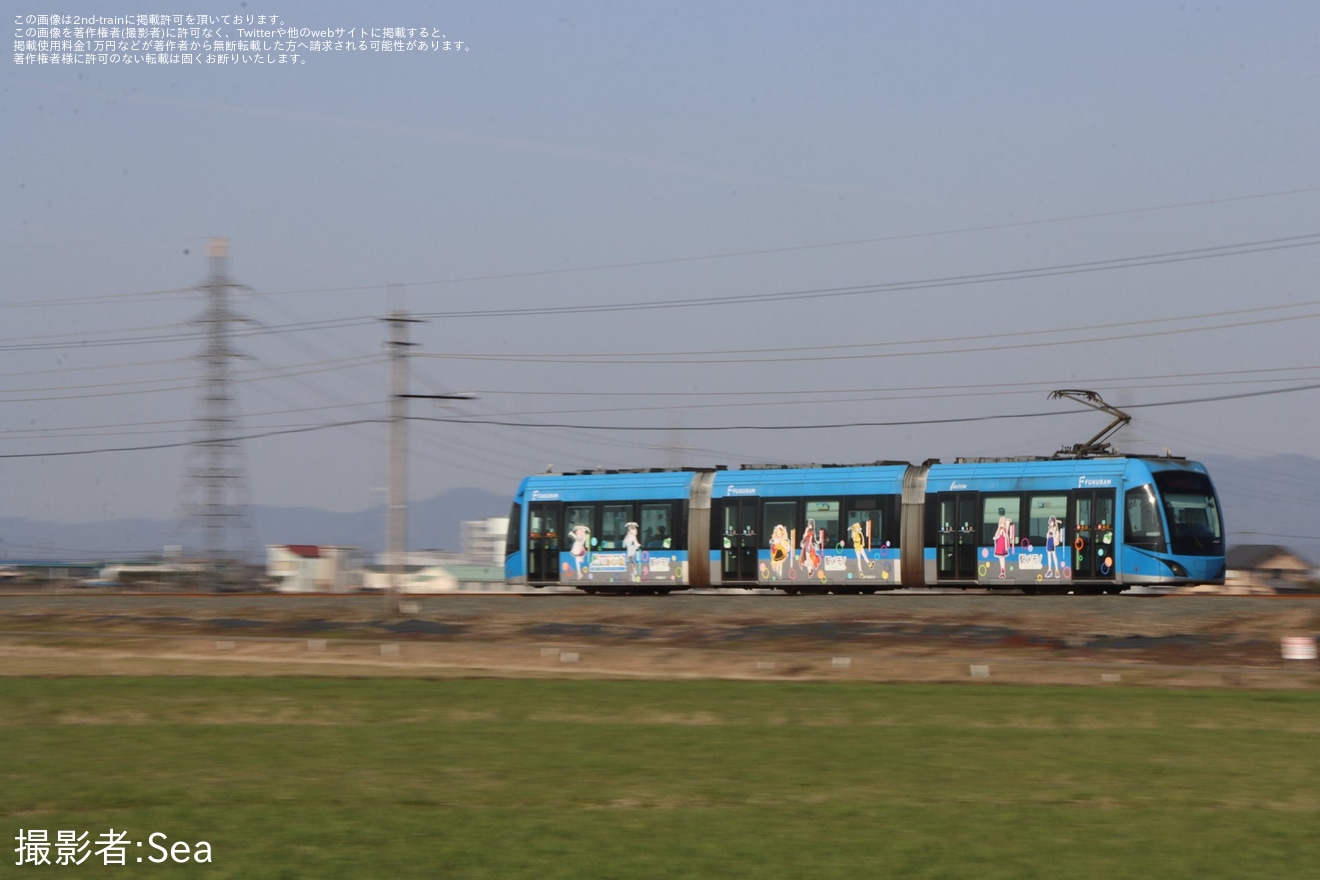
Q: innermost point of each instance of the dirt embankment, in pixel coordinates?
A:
(914, 637)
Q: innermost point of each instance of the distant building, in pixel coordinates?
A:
(477, 568)
(1266, 568)
(412, 579)
(483, 540)
(44, 570)
(149, 574)
(311, 568)
(434, 572)
(473, 578)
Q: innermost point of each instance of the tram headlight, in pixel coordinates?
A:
(1178, 570)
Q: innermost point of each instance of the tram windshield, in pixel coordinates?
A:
(1191, 509)
(513, 537)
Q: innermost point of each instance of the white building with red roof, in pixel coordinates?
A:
(312, 568)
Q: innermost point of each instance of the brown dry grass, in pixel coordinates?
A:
(1202, 642)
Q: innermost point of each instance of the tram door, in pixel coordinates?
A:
(1093, 539)
(543, 542)
(739, 541)
(957, 527)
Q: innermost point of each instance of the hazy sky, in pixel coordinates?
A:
(682, 233)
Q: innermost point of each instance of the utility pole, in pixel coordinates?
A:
(396, 526)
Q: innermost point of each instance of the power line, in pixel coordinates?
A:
(156, 427)
(1315, 537)
(97, 367)
(788, 427)
(1223, 397)
(1023, 387)
(307, 346)
(924, 392)
(115, 298)
(653, 428)
(1157, 259)
(990, 227)
(866, 424)
(190, 383)
(836, 398)
(685, 358)
(259, 435)
(779, 354)
(661, 261)
(910, 236)
(79, 340)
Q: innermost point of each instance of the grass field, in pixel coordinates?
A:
(577, 779)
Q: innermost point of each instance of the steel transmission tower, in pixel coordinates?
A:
(215, 505)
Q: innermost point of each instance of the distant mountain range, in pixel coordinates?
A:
(1266, 501)
(434, 524)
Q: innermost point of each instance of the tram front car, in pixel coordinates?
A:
(1173, 526)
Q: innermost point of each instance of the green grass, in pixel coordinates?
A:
(553, 779)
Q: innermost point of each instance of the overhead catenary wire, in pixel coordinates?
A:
(652, 428)
(873, 424)
(835, 398)
(505, 422)
(818, 396)
(1144, 380)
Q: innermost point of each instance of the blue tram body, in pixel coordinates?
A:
(826, 529)
(618, 532)
(1098, 524)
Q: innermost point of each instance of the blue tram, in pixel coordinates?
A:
(1039, 525)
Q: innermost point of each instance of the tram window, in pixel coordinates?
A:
(1192, 511)
(658, 527)
(781, 527)
(580, 520)
(1104, 510)
(731, 519)
(543, 524)
(1001, 510)
(1142, 527)
(823, 516)
(865, 515)
(1095, 512)
(614, 524)
(1040, 510)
